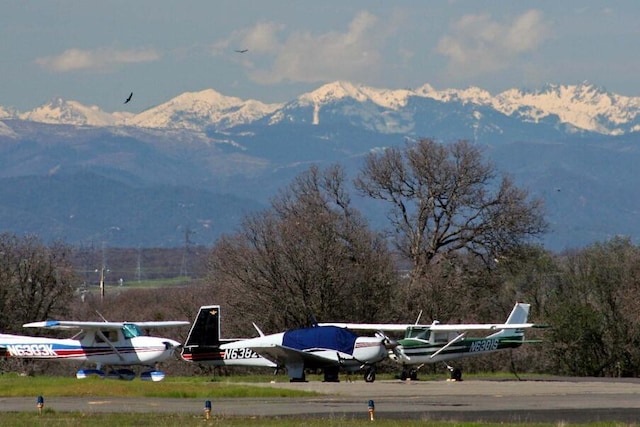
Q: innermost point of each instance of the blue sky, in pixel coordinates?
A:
(96, 52)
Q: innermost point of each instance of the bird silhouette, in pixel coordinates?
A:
(242, 51)
(129, 98)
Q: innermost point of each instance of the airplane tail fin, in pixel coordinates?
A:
(205, 331)
(519, 315)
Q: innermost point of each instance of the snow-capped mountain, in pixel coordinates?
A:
(378, 110)
(199, 110)
(60, 111)
(574, 108)
(326, 94)
(76, 172)
(584, 106)
(5, 114)
(7, 131)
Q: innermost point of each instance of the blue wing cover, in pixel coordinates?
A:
(321, 337)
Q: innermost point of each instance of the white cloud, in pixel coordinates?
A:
(306, 57)
(99, 59)
(263, 37)
(477, 44)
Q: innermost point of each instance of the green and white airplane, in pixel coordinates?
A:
(437, 342)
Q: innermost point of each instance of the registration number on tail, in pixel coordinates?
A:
(35, 350)
(240, 353)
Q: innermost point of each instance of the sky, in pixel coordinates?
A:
(98, 51)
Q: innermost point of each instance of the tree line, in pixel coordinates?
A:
(460, 246)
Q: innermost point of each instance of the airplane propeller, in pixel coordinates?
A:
(177, 349)
(168, 345)
(389, 343)
(393, 346)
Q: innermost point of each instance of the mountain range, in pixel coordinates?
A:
(196, 164)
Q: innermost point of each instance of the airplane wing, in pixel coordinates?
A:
(399, 327)
(284, 356)
(482, 326)
(161, 324)
(70, 324)
(371, 326)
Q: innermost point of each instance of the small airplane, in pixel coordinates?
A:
(103, 343)
(318, 347)
(436, 342)
(129, 98)
(242, 51)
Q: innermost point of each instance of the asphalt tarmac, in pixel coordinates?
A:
(561, 400)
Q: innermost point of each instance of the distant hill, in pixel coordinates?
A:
(203, 160)
(88, 208)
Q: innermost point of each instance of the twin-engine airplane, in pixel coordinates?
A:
(319, 347)
(103, 343)
(438, 342)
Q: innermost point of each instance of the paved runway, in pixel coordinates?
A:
(579, 400)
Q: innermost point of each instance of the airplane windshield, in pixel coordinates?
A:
(130, 331)
(418, 332)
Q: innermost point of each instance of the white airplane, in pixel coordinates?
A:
(436, 342)
(103, 343)
(319, 347)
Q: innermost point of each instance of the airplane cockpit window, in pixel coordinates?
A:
(441, 337)
(424, 335)
(110, 335)
(130, 330)
(420, 333)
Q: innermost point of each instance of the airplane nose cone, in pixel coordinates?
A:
(171, 344)
(388, 342)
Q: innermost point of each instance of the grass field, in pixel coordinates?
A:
(177, 387)
(14, 385)
(160, 420)
(68, 419)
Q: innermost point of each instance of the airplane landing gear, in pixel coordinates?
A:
(300, 379)
(409, 374)
(455, 374)
(331, 375)
(370, 374)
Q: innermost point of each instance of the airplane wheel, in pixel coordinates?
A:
(456, 374)
(370, 374)
(302, 379)
(413, 374)
(331, 375)
(404, 375)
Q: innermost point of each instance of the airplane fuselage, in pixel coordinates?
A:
(223, 355)
(414, 351)
(329, 348)
(365, 350)
(141, 350)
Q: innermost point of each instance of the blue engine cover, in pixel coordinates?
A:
(321, 337)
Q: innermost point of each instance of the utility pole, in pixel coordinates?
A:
(102, 282)
(103, 270)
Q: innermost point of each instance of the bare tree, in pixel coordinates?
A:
(445, 199)
(594, 311)
(36, 281)
(310, 253)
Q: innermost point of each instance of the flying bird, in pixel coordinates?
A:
(129, 98)
(242, 51)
